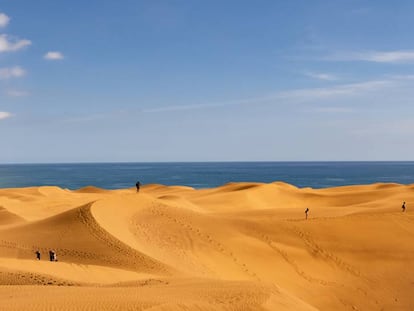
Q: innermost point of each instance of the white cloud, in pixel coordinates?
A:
(12, 72)
(4, 115)
(4, 20)
(10, 44)
(338, 90)
(293, 96)
(189, 107)
(16, 93)
(334, 109)
(321, 76)
(399, 56)
(88, 118)
(401, 77)
(54, 55)
(311, 96)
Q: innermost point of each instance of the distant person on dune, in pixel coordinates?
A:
(138, 185)
(306, 213)
(37, 255)
(403, 207)
(52, 255)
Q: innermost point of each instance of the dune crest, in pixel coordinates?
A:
(241, 246)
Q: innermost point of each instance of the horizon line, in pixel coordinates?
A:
(221, 161)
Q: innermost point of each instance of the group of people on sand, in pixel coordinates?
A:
(52, 255)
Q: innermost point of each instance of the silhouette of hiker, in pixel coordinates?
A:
(52, 255)
(306, 213)
(403, 207)
(138, 185)
(37, 255)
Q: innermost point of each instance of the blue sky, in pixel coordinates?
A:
(133, 80)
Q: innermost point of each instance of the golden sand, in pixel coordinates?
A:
(242, 246)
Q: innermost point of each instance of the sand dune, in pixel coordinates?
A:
(241, 246)
(8, 218)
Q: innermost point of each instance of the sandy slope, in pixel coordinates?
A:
(241, 246)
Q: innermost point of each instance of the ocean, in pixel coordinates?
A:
(204, 175)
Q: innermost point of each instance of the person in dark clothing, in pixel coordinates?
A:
(138, 185)
(403, 207)
(306, 213)
(37, 255)
(51, 255)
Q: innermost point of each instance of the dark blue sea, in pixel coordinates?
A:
(204, 175)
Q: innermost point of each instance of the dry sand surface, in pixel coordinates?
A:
(242, 246)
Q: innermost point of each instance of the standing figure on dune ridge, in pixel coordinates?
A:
(403, 207)
(37, 255)
(306, 213)
(52, 255)
(138, 185)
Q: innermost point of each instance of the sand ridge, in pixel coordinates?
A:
(241, 246)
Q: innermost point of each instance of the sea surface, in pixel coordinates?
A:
(204, 175)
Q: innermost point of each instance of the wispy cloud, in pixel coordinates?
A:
(53, 55)
(4, 115)
(320, 100)
(401, 77)
(399, 56)
(12, 72)
(321, 76)
(88, 118)
(16, 93)
(338, 90)
(292, 96)
(334, 109)
(4, 20)
(189, 107)
(11, 44)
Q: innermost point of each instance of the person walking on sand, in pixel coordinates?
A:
(138, 185)
(306, 213)
(403, 207)
(37, 255)
(53, 256)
